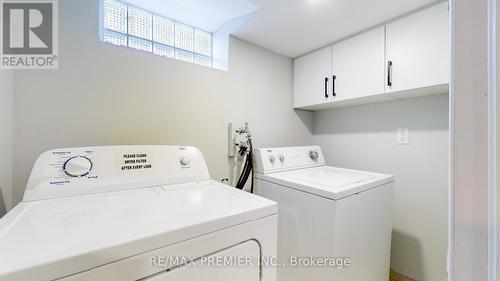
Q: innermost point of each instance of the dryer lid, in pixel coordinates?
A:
(330, 182)
(50, 239)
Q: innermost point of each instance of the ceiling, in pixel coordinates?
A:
(296, 27)
(208, 15)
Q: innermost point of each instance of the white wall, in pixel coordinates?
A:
(6, 131)
(363, 137)
(104, 95)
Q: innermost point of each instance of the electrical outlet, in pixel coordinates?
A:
(403, 136)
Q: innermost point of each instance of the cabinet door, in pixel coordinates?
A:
(310, 72)
(358, 66)
(418, 48)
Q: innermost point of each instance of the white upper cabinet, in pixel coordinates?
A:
(312, 78)
(418, 48)
(405, 58)
(358, 66)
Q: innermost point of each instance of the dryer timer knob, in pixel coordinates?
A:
(185, 161)
(78, 166)
(314, 155)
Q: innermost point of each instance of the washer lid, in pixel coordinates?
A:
(330, 182)
(50, 239)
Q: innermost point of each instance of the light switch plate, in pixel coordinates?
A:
(403, 136)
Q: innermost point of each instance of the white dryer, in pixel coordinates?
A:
(334, 224)
(134, 213)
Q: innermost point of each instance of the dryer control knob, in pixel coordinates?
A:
(78, 166)
(314, 155)
(185, 161)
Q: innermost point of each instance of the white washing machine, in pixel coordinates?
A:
(334, 224)
(134, 213)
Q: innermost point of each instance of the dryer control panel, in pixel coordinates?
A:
(86, 170)
(288, 158)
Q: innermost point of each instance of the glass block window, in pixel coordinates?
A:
(203, 43)
(163, 50)
(115, 38)
(163, 30)
(115, 16)
(184, 37)
(130, 26)
(140, 23)
(140, 44)
(184, 55)
(203, 60)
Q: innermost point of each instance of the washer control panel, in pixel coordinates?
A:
(281, 157)
(272, 159)
(86, 170)
(286, 158)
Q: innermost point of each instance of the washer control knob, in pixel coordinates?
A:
(281, 157)
(314, 155)
(272, 159)
(185, 161)
(78, 166)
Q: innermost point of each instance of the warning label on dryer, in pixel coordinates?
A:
(134, 162)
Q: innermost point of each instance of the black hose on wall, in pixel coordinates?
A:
(247, 170)
(3, 209)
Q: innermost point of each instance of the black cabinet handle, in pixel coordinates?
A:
(334, 79)
(326, 87)
(389, 73)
